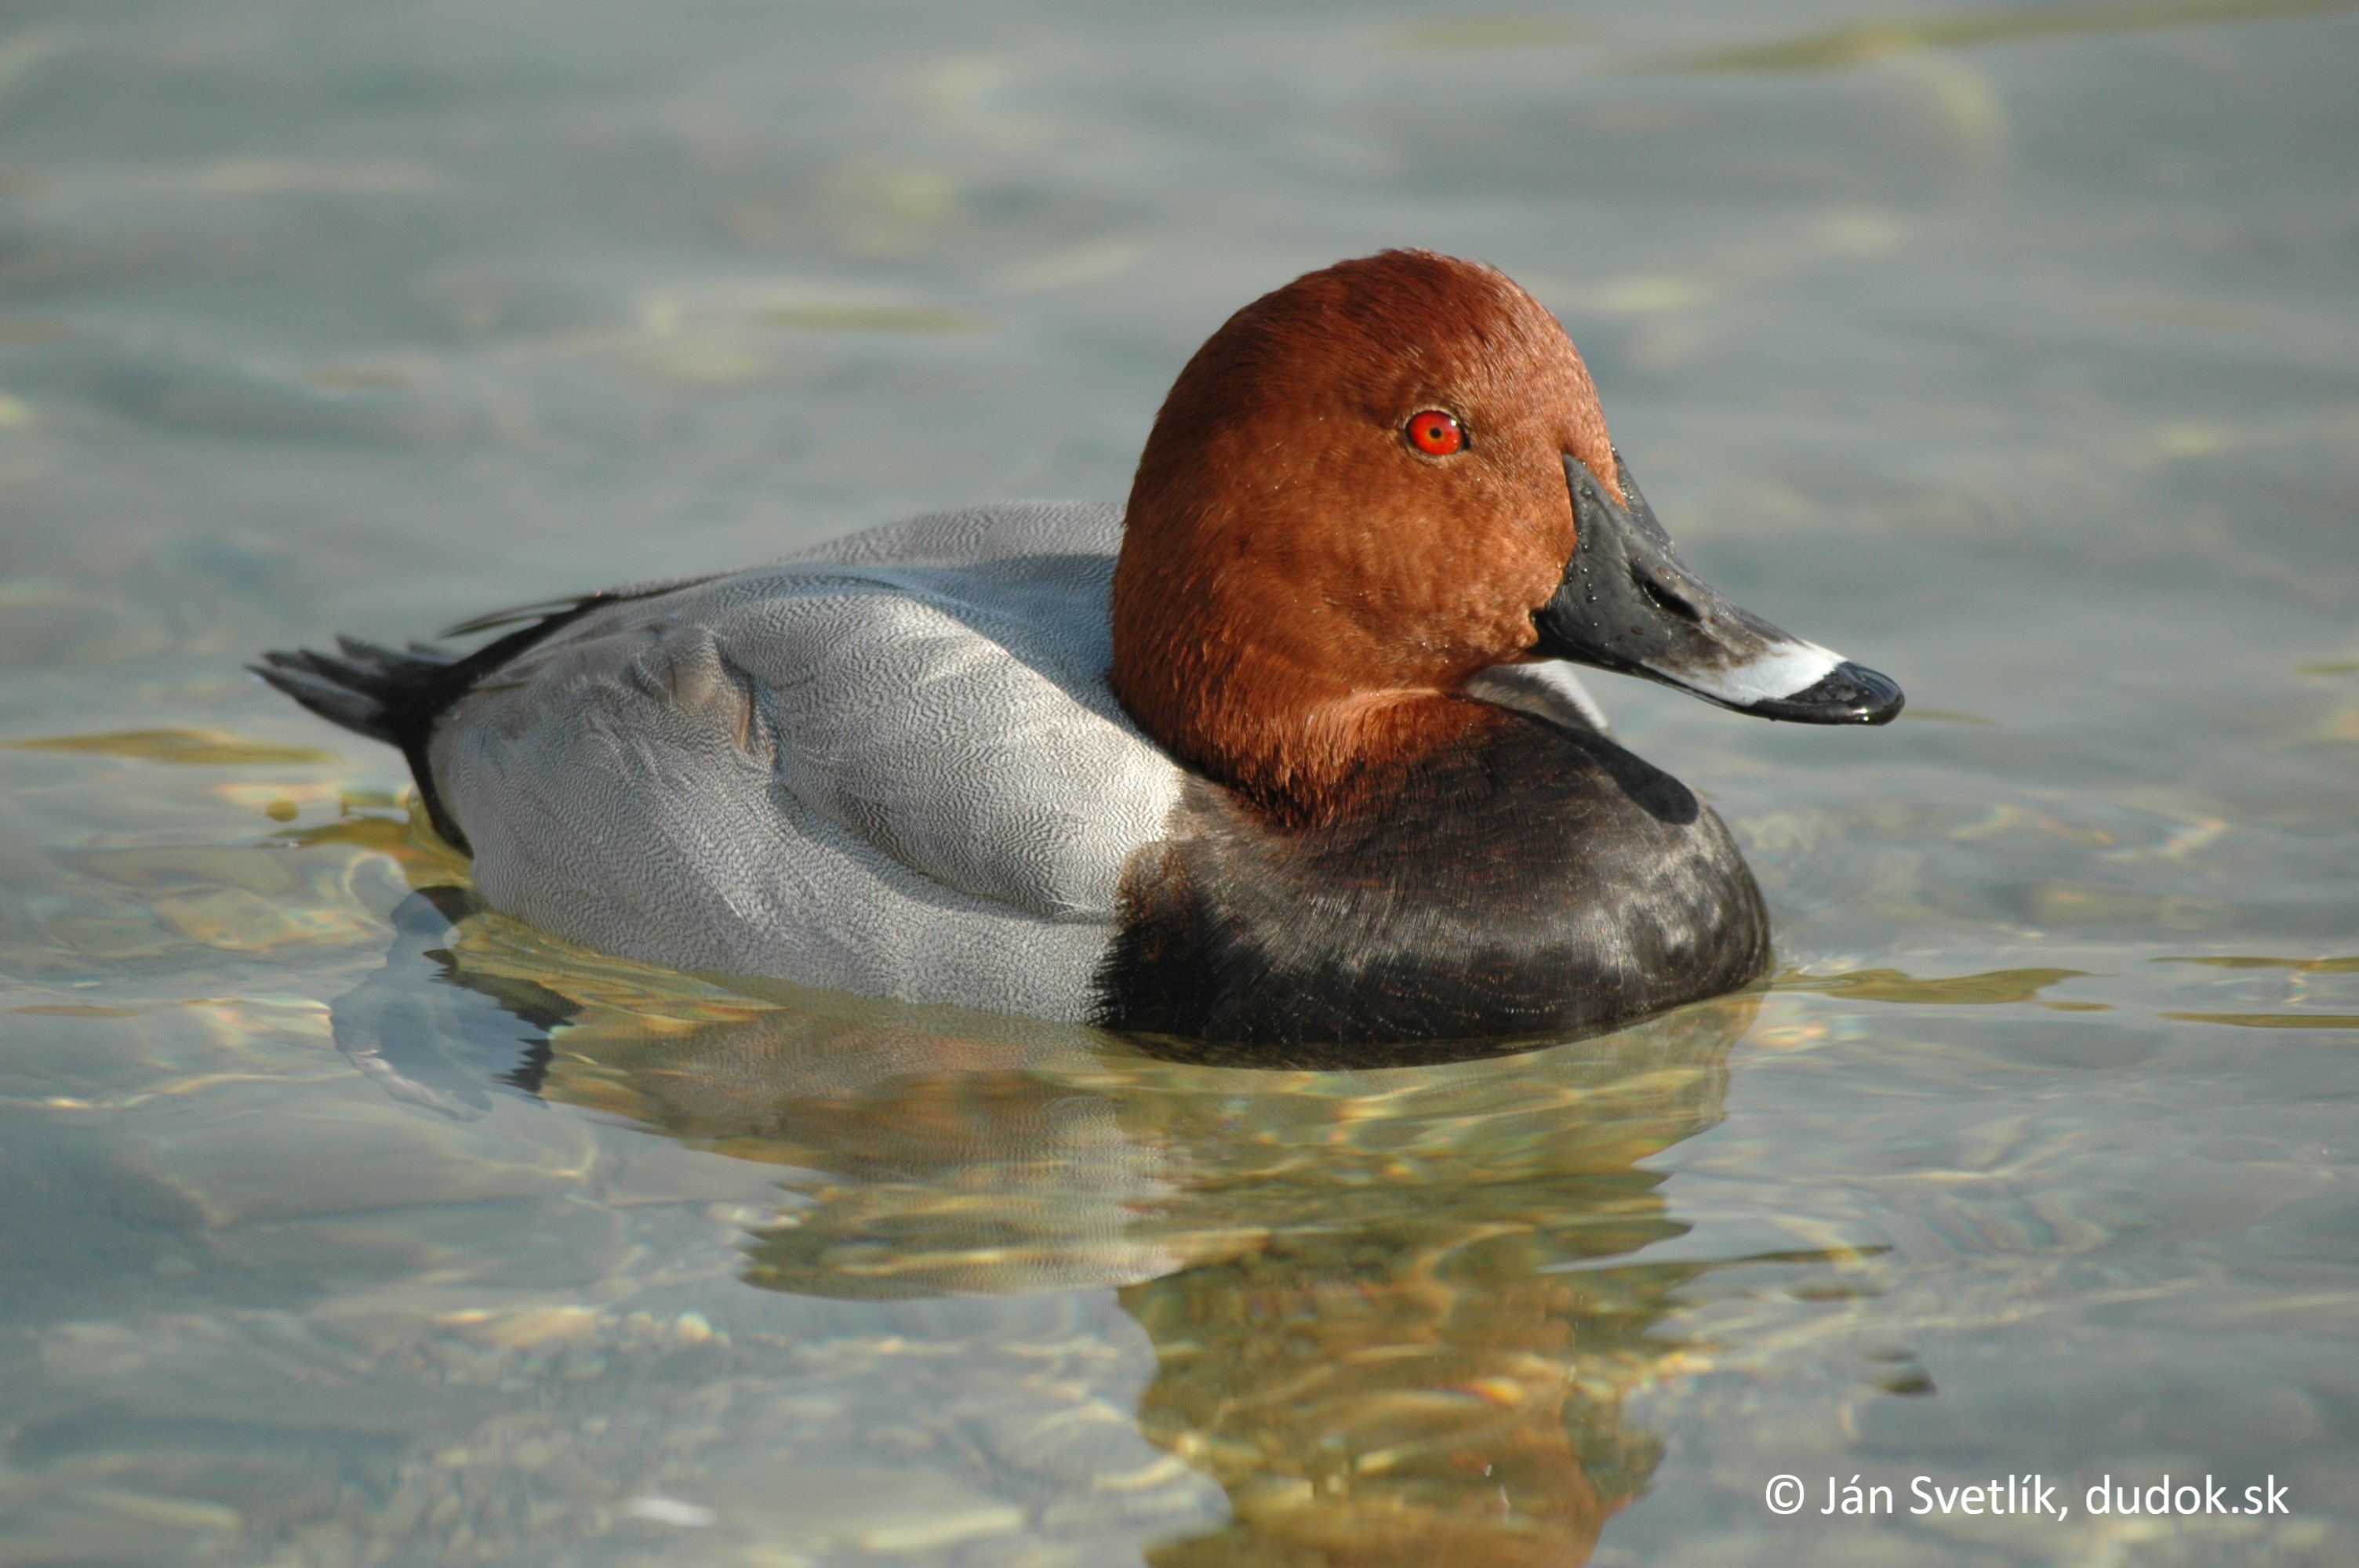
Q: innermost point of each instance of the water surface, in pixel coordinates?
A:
(2009, 350)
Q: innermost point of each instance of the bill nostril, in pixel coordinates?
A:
(1663, 598)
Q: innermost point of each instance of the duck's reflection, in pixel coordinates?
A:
(1383, 1302)
(1409, 1357)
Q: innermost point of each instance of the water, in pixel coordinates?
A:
(2009, 350)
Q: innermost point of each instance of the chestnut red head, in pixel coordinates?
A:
(1371, 485)
(1353, 500)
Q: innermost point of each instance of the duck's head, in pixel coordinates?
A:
(1375, 483)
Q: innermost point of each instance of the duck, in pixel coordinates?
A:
(1286, 749)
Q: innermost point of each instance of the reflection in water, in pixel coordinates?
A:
(1874, 40)
(201, 748)
(1995, 986)
(2299, 965)
(1398, 1361)
(1379, 1299)
(2272, 1020)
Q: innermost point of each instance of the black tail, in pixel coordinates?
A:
(396, 698)
(372, 690)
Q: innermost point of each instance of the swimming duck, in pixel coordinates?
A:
(1283, 750)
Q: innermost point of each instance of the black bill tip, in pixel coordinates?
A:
(1847, 694)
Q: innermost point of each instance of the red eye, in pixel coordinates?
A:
(1436, 434)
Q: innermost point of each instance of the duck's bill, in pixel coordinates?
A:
(1627, 603)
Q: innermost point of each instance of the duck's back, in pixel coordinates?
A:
(888, 765)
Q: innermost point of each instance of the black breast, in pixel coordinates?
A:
(1541, 882)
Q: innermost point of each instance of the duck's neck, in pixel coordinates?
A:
(1302, 751)
(1285, 656)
